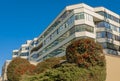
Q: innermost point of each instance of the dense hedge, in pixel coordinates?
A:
(18, 67)
(48, 63)
(85, 52)
(70, 72)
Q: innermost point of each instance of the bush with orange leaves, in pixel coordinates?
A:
(17, 68)
(85, 52)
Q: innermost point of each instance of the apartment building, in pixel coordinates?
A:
(33, 45)
(4, 71)
(23, 52)
(108, 31)
(74, 22)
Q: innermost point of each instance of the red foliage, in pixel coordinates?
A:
(24, 69)
(85, 52)
(18, 67)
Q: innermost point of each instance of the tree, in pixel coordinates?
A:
(85, 52)
(18, 67)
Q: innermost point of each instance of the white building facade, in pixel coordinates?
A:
(74, 22)
(23, 52)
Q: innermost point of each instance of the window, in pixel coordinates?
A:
(98, 35)
(108, 26)
(119, 29)
(101, 13)
(103, 24)
(79, 16)
(106, 15)
(72, 30)
(88, 17)
(24, 54)
(60, 28)
(112, 46)
(80, 28)
(66, 24)
(70, 21)
(101, 34)
(119, 38)
(104, 44)
(100, 24)
(27, 48)
(35, 56)
(15, 53)
(109, 35)
(115, 37)
(115, 28)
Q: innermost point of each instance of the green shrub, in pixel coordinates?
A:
(70, 72)
(18, 67)
(85, 62)
(85, 52)
(47, 64)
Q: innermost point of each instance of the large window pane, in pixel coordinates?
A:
(101, 34)
(106, 15)
(80, 28)
(79, 16)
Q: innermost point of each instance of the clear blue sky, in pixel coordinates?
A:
(21, 20)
